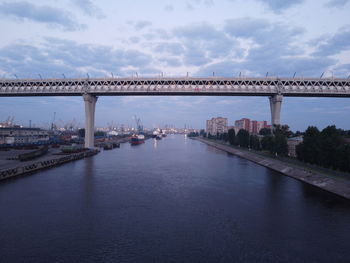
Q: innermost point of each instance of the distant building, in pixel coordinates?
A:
(252, 126)
(216, 126)
(292, 144)
(11, 135)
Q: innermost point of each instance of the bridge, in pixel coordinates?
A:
(90, 89)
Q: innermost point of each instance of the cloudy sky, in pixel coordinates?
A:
(80, 37)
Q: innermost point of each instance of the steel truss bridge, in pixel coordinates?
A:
(90, 89)
(305, 87)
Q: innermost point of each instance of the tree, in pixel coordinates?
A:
(309, 150)
(265, 131)
(231, 136)
(330, 142)
(280, 146)
(267, 143)
(202, 132)
(254, 142)
(243, 138)
(343, 158)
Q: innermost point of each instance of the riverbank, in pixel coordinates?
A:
(336, 186)
(48, 162)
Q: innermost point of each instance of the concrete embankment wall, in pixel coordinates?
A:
(339, 187)
(45, 164)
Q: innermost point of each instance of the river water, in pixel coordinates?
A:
(174, 200)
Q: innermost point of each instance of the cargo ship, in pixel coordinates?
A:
(137, 139)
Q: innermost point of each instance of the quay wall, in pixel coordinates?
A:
(336, 186)
(44, 164)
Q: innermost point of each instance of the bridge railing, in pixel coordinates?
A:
(181, 86)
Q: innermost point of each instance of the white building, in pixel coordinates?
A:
(216, 126)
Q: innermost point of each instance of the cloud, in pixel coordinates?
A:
(335, 44)
(279, 5)
(193, 4)
(142, 24)
(265, 47)
(203, 43)
(169, 8)
(42, 14)
(336, 3)
(55, 56)
(172, 48)
(89, 8)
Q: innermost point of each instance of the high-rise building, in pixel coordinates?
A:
(216, 126)
(252, 126)
(243, 124)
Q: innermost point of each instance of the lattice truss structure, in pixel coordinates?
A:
(177, 86)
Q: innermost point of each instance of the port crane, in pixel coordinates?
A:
(139, 125)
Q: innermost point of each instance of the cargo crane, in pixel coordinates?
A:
(139, 126)
(53, 126)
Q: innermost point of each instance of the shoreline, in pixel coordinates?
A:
(38, 165)
(340, 188)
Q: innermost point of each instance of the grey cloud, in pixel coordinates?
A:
(335, 44)
(142, 24)
(275, 50)
(89, 8)
(192, 4)
(171, 61)
(336, 3)
(343, 70)
(198, 31)
(260, 29)
(42, 14)
(273, 39)
(282, 67)
(208, 41)
(278, 5)
(169, 8)
(195, 56)
(169, 47)
(56, 56)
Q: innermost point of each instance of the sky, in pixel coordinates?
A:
(101, 38)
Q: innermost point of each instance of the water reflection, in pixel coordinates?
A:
(155, 143)
(175, 200)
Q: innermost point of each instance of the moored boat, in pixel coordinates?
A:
(137, 139)
(108, 146)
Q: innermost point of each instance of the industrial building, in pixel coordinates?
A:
(19, 135)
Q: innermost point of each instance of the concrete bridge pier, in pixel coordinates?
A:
(90, 103)
(275, 106)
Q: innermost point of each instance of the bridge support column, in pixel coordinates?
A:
(275, 105)
(90, 103)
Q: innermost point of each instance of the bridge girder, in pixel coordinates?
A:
(215, 86)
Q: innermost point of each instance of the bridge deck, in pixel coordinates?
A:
(215, 86)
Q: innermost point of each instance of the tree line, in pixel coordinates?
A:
(274, 143)
(328, 148)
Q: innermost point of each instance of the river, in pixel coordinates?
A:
(173, 200)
